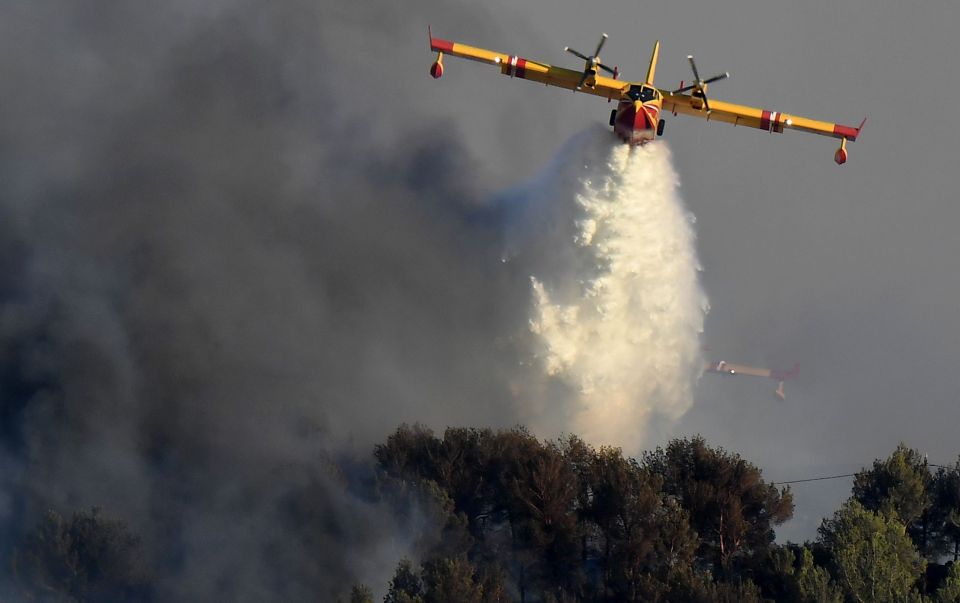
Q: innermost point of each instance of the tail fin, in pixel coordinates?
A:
(652, 70)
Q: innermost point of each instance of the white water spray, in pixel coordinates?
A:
(618, 307)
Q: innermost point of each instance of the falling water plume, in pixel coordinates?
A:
(617, 305)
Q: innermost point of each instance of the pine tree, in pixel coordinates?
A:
(87, 558)
(406, 586)
(875, 560)
(446, 580)
(361, 594)
(950, 591)
(945, 510)
(730, 506)
(899, 486)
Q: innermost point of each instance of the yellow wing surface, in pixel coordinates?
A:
(741, 115)
(737, 369)
(726, 368)
(762, 119)
(535, 71)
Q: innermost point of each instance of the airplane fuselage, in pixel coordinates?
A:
(636, 121)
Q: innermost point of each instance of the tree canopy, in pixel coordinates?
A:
(502, 516)
(88, 558)
(874, 558)
(731, 508)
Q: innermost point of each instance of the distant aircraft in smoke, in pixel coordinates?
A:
(636, 119)
(726, 368)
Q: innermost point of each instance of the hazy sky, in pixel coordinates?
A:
(851, 271)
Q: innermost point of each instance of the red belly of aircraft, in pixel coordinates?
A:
(636, 122)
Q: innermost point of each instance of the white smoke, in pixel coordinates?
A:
(617, 307)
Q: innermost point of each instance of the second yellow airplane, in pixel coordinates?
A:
(637, 119)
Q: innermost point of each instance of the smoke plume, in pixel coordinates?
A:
(219, 281)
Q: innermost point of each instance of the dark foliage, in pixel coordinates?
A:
(87, 558)
(570, 522)
(943, 517)
(731, 508)
(501, 516)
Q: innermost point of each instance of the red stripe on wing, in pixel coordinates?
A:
(845, 132)
(441, 45)
(765, 120)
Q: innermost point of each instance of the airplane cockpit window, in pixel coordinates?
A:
(641, 93)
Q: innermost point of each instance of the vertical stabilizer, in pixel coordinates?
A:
(653, 63)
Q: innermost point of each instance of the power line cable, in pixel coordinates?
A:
(813, 479)
(826, 477)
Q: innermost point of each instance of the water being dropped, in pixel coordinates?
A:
(617, 305)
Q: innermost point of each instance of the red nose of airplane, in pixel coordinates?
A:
(635, 122)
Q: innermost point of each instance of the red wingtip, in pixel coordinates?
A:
(860, 127)
(785, 375)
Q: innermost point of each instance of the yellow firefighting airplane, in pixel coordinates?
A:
(636, 119)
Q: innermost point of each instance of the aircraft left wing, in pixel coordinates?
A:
(762, 119)
(525, 69)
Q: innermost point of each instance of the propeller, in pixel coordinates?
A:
(593, 61)
(700, 85)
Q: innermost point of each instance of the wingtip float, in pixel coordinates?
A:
(637, 118)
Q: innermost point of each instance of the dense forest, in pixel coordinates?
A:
(504, 516)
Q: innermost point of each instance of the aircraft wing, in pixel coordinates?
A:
(762, 119)
(727, 368)
(535, 71)
(736, 369)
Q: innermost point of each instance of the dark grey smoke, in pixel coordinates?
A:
(231, 247)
